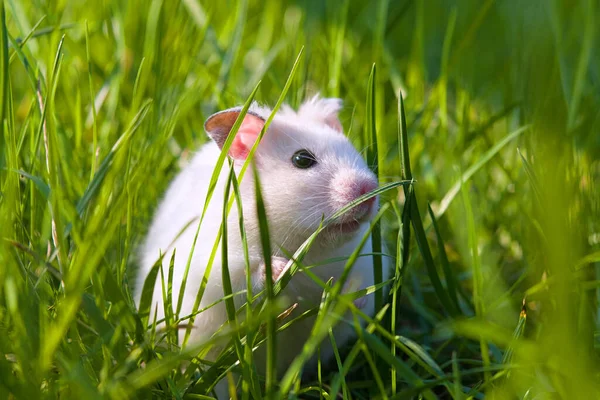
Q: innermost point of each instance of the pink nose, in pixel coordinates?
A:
(366, 187)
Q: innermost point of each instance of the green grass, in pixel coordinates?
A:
(481, 119)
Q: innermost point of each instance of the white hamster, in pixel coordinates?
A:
(308, 169)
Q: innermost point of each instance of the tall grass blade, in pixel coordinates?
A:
(147, 293)
(338, 31)
(233, 47)
(587, 44)
(532, 177)
(24, 61)
(265, 242)
(403, 240)
(4, 77)
(443, 84)
(396, 290)
(405, 370)
(250, 383)
(457, 392)
(225, 274)
(477, 275)
(517, 334)
(92, 103)
(425, 251)
(373, 161)
(167, 295)
(405, 174)
(356, 349)
(57, 201)
(339, 364)
(451, 282)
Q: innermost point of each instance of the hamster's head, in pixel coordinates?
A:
(307, 167)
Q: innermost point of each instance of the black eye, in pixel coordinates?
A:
(303, 159)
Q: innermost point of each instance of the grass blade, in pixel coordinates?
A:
(425, 251)
(338, 33)
(148, 292)
(233, 48)
(340, 376)
(517, 334)
(443, 82)
(265, 242)
(404, 369)
(588, 260)
(532, 178)
(451, 282)
(373, 161)
(587, 44)
(457, 392)
(339, 364)
(405, 174)
(411, 210)
(225, 275)
(250, 383)
(4, 77)
(477, 275)
(167, 295)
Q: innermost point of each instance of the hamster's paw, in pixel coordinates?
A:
(277, 266)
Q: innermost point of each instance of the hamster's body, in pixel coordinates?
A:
(296, 197)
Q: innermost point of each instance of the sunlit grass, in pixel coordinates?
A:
(481, 121)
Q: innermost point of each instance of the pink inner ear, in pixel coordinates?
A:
(245, 137)
(334, 123)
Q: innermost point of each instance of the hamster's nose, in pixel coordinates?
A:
(346, 186)
(364, 209)
(366, 187)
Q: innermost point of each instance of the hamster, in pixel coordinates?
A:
(308, 170)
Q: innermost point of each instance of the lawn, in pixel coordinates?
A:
(490, 110)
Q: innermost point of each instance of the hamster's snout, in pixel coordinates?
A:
(347, 186)
(366, 187)
(363, 210)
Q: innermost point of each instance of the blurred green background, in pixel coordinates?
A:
(102, 99)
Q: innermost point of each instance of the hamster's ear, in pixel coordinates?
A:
(324, 110)
(218, 126)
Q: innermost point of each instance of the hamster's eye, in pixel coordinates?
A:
(303, 159)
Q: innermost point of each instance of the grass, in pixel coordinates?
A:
(483, 115)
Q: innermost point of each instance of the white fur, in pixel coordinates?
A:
(295, 199)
